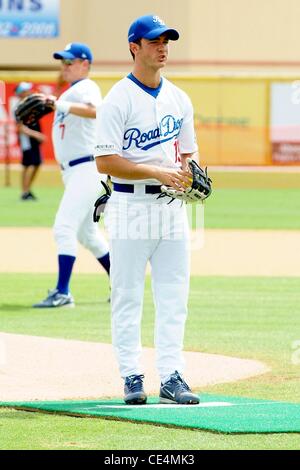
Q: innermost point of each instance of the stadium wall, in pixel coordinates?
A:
(213, 33)
(239, 120)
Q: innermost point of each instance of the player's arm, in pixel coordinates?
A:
(114, 165)
(187, 138)
(185, 156)
(22, 129)
(81, 110)
(85, 110)
(110, 128)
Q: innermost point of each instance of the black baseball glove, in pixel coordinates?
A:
(101, 201)
(199, 189)
(32, 108)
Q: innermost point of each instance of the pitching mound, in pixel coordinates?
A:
(214, 413)
(36, 368)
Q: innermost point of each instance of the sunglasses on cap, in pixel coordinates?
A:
(70, 61)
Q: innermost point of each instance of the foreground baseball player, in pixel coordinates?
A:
(145, 134)
(74, 132)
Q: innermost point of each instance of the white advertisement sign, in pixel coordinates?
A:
(29, 18)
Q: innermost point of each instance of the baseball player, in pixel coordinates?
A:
(74, 132)
(145, 133)
(30, 138)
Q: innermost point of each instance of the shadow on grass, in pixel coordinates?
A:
(14, 308)
(101, 303)
(19, 308)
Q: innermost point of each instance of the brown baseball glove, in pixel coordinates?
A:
(32, 108)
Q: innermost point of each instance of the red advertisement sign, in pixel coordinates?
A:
(286, 153)
(285, 123)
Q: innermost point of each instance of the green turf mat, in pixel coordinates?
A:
(215, 413)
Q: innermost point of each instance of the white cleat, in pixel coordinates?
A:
(56, 299)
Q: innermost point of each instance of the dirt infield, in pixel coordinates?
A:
(43, 368)
(52, 369)
(224, 252)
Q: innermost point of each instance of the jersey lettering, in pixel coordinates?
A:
(168, 128)
(177, 153)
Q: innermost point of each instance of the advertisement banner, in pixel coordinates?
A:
(285, 122)
(29, 18)
(230, 120)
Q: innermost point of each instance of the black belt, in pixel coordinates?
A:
(77, 161)
(129, 188)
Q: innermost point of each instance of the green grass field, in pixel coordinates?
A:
(272, 205)
(251, 317)
(219, 322)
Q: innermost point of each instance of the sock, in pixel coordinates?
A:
(165, 379)
(105, 262)
(65, 266)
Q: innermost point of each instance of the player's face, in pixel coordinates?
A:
(73, 70)
(154, 53)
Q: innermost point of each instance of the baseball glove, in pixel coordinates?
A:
(101, 201)
(32, 108)
(199, 189)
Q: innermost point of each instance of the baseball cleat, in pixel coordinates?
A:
(134, 390)
(56, 299)
(32, 196)
(28, 197)
(175, 390)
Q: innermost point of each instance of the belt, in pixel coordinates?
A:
(129, 188)
(77, 161)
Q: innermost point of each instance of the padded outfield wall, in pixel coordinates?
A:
(239, 119)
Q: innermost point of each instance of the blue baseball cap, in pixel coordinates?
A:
(150, 27)
(75, 50)
(23, 86)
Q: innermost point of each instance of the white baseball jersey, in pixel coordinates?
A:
(73, 136)
(145, 125)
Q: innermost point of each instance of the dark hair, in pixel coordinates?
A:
(138, 41)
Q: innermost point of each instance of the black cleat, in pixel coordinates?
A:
(175, 390)
(134, 390)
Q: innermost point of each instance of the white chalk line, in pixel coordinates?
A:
(218, 404)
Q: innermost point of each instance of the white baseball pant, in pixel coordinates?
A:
(74, 219)
(142, 228)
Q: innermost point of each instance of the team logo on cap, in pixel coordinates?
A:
(68, 47)
(156, 19)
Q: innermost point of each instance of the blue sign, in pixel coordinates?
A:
(29, 18)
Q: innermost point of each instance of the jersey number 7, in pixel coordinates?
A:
(62, 127)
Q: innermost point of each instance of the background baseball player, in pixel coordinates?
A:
(30, 138)
(145, 134)
(74, 141)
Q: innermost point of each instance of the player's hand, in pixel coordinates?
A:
(176, 178)
(51, 100)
